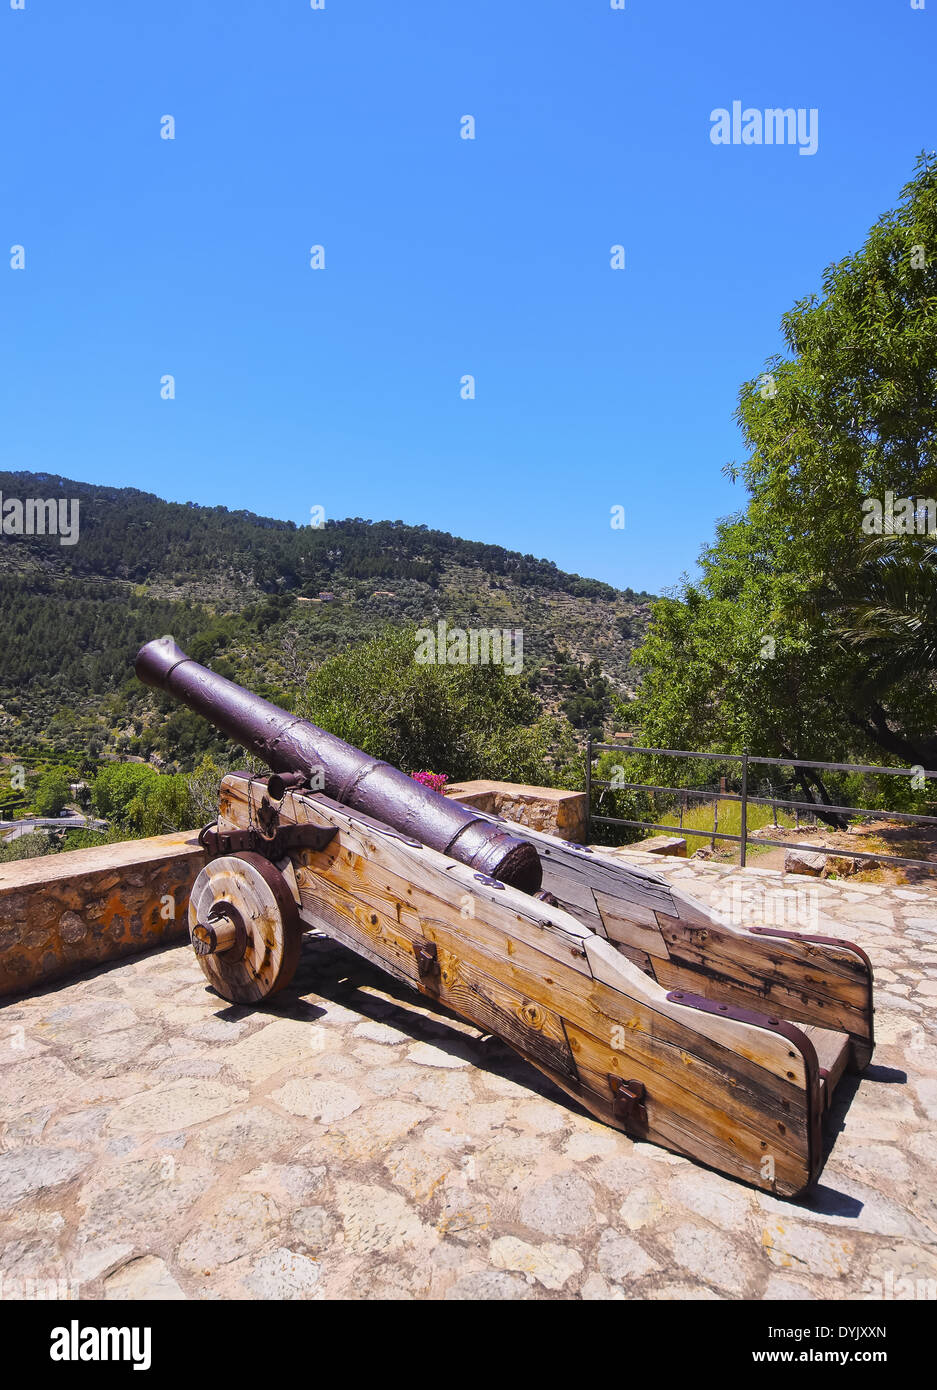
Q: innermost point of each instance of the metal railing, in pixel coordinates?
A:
(746, 760)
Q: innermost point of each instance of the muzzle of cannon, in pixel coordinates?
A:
(300, 751)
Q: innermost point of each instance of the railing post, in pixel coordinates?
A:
(588, 787)
(744, 848)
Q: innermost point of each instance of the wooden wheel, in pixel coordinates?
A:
(244, 927)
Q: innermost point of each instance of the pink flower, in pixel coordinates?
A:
(435, 780)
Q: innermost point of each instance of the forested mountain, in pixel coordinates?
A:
(134, 536)
(266, 600)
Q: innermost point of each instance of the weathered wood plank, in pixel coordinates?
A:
(764, 1046)
(513, 1013)
(573, 875)
(737, 1114)
(629, 924)
(687, 946)
(803, 981)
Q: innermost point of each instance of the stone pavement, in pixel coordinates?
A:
(353, 1142)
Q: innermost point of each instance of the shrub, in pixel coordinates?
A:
(476, 721)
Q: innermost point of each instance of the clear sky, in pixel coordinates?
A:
(341, 127)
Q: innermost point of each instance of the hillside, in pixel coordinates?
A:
(244, 593)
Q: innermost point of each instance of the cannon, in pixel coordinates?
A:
(310, 756)
(663, 1018)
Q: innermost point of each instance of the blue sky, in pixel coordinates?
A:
(443, 257)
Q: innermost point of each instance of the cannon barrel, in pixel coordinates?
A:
(288, 744)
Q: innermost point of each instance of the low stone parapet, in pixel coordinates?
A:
(664, 844)
(62, 913)
(550, 809)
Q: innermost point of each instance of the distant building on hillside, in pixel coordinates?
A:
(327, 598)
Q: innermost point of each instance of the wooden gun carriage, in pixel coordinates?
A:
(661, 1018)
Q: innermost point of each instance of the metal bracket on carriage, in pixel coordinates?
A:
(628, 1103)
(427, 959)
(274, 847)
(787, 1030)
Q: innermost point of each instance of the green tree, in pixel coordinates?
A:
(881, 606)
(52, 792)
(138, 800)
(202, 786)
(463, 720)
(32, 846)
(770, 647)
(118, 785)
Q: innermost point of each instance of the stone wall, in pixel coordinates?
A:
(62, 913)
(550, 809)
